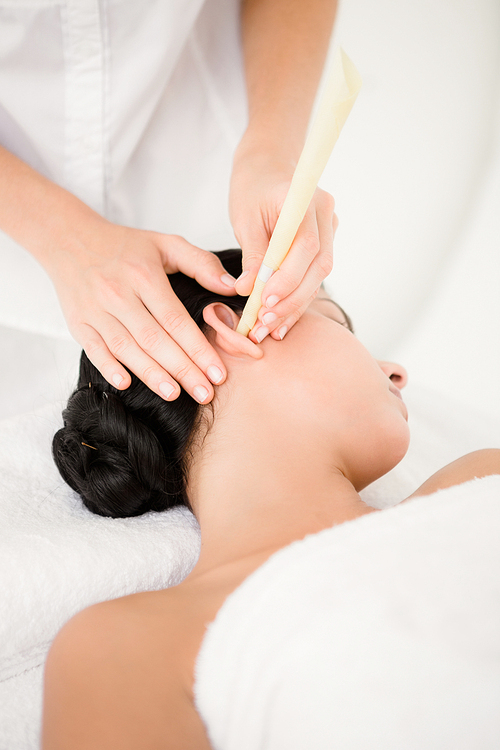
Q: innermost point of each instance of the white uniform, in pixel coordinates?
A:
(135, 107)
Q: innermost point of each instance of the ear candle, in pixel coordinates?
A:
(341, 88)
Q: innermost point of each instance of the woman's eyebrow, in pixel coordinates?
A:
(346, 316)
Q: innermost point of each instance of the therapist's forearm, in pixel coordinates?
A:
(285, 43)
(40, 215)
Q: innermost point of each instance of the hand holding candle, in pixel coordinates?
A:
(340, 91)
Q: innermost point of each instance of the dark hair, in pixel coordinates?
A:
(125, 452)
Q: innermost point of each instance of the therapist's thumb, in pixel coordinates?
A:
(253, 246)
(203, 266)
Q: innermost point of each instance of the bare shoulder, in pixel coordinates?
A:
(474, 465)
(115, 677)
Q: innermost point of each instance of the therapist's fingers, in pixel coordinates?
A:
(278, 320)
(278, 324)
(312, 249)
(254, 241)
(120, 306)
(282, 325)
(165, 330)
(117, 346)
(98, 353)
(149, 331)
(284, 315)
(203, 266)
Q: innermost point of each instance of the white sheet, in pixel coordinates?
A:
(379, 634)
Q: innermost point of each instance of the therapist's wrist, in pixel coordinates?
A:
(43, 217)
(74, 230)
(267, 149)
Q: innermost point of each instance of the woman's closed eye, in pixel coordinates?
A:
(341, 318)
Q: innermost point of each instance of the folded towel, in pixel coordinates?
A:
(56, 557)
(21, 710)
(382, 633)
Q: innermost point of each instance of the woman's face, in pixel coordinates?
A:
(329, 380)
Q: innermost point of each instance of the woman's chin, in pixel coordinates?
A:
(386, 452)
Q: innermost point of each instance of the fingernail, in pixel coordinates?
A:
(200, 393)
(282, 332)
(228, 280)
(272, 300)
(261, 333)
(215, 374)
(117, 380)
(269, 317)
(166, 389)
(242, 276)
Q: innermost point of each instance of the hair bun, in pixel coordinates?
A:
(110, 457)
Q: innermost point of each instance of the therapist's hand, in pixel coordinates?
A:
(258, 189)
(120, 307)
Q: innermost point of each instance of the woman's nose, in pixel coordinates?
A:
(394, 372)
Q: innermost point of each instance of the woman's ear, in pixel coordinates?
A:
(224, 321)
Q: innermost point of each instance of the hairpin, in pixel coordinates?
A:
(89, 446)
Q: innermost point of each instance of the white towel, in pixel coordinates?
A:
(56, 558)
(379, 634)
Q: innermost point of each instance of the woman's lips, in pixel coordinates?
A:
(396, 391)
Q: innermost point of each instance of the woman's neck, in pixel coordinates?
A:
(260, 492)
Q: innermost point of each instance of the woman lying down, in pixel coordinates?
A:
(293, 435)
